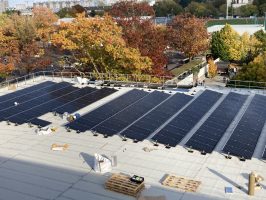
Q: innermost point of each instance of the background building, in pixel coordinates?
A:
(238, 3)
(3, 5)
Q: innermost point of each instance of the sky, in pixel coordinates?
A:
(12, 3)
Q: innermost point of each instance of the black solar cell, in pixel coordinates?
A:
(121, 120)
(244, 138)
(212, 130)
(178, 128)
(24, 91)
(153, 120)
(107, 110)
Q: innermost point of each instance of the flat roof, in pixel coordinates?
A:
(30, 170)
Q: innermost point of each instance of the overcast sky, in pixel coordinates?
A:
(12, 3)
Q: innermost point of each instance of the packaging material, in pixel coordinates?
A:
(102, 164)
(59, 147)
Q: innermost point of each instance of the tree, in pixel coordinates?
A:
(229, 45)
(261, 6)
(212, 68)
(218, 47)
(189, 35)
(98, 44)
(44, 20)
(255, 70)
(261, 36)
(20, 35)
(246, 10)
(201, 9)
(9, 54)
(141, 33)
(167, 7)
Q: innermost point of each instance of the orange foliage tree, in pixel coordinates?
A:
(189, 35)
(97, 44)
(139, 31)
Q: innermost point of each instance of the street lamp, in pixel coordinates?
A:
(265, 21)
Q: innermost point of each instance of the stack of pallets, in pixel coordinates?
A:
(181, 183)
(122, 184)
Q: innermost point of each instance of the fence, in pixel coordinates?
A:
(120, 79)
(246, 84)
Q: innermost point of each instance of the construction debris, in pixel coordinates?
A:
(58, 147)
(146, 149)
(181, 183)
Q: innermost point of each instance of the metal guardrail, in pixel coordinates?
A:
(246, 84)
(135, 79)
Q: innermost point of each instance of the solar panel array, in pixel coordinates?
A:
(123, 119)
(46, 97)
(138, 114)
(211, 131)
(153, 120)
(244, 138)
(179, 127)
(91, 119)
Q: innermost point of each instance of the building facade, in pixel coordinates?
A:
(3, 5)
(57, 5)
(238, 3)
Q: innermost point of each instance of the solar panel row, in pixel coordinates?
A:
(211, 131)
(179, 127)
(24, 91)
(9, 111)
(123, 119)
(244, 138)
(61, 98)
(21, 98)
(153, 120)
(84, 99)
(102, 113)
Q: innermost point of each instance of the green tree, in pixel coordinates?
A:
(201, 9)
(218, 47)
(246, 10)
(255, 70)
(167, 7)
(261, 36)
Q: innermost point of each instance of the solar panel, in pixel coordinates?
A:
(28, 96)
(179, 127)
(9, 111)
(102, 113)
(62, 98)
(40, 122)
(84, 100)
(24, 91)
(153, 120)
(24, 110)
(124, 118)
(243, 140)
(212, 130)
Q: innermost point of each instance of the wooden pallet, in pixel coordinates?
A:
(181, 183)
(122, 184)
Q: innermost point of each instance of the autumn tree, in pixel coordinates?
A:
(212, 68)
(189, 35)
(139, 31)
(20, 34)
(44, 20)
(98, 45)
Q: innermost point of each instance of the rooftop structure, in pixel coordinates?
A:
(29, 169)
(240, 29)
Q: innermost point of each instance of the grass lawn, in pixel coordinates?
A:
(234, 21)
(185, 67)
